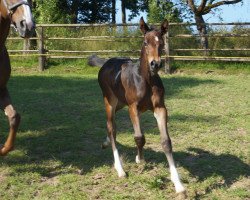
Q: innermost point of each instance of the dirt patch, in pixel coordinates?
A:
(243, 183)
(242, 131)
(50, 181)
(3, 175)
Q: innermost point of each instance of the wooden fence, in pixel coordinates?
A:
(43, 53)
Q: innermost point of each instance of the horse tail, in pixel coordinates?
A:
(94, 60)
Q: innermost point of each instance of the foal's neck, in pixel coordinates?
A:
(4, 29)
(143, 68)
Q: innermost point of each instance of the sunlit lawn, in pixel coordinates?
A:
(58, 151)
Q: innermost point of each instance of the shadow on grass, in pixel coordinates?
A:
(63, 119)
(204, 164)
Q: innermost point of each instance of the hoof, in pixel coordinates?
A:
(106, 143)
(122, 174)
(120, 171)
(4, 151)
(103, 146)
(182, 195)
(138, 161)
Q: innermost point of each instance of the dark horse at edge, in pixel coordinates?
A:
(17, 12)
(140, 88)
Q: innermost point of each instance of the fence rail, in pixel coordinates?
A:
(43, 52)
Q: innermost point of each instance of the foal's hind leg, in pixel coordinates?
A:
(110, 111)
(14, 120)
(160, 114)
(106, 143)
(138, 135)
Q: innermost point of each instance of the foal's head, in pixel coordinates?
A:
(153, 45)
(18, 11)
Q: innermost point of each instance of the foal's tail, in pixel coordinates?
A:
(94, 60)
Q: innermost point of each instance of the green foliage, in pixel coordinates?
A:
(135, 7)
(66, 11)
(160, 10)
(51, 11)
(95, 11)
(127, 39)
(230, 42)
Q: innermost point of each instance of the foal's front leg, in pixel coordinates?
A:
(138, 135)
(14, 120)
(160, 114)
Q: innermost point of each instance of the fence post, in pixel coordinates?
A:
(42, 57)
(167, 50)
(26, 45)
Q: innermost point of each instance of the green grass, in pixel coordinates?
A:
(218, 67)
(58, 154)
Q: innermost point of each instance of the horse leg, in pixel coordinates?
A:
(106, 143)
(14, 120)
(110, 111)
(160, 114)
(138, 135)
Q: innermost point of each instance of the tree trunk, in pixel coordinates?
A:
(94, 15)
(113, 11)
(123, 12)
(74, 10)
(201, 27)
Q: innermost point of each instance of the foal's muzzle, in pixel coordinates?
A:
(25, 28)
(155, 66)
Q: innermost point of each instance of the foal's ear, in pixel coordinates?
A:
(164, 27)
(143, 26)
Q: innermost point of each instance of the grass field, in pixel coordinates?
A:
(58, 151)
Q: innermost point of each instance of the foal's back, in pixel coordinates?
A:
(109, 78)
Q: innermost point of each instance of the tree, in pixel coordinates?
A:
(123, 9)
(113, 11)
(162, 9)
(51, 11)
(134, 6)
(74, 11)
(95, 11)
(74, 6)
(204, 8)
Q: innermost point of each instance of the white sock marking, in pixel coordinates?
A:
(107, 142)
(137, 159)
(173, 171)
(118, 164)
(176, 180)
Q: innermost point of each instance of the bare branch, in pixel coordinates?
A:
(211, 1)
(211, 6)
(191, 5)
(202, 6)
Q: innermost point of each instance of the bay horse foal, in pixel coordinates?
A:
(140, 88)
(18, 12)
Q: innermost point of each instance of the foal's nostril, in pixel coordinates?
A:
(153, 63)
(23, 25)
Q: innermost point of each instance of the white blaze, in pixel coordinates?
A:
(28, 16)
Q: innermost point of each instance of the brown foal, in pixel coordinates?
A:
(140, 88)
